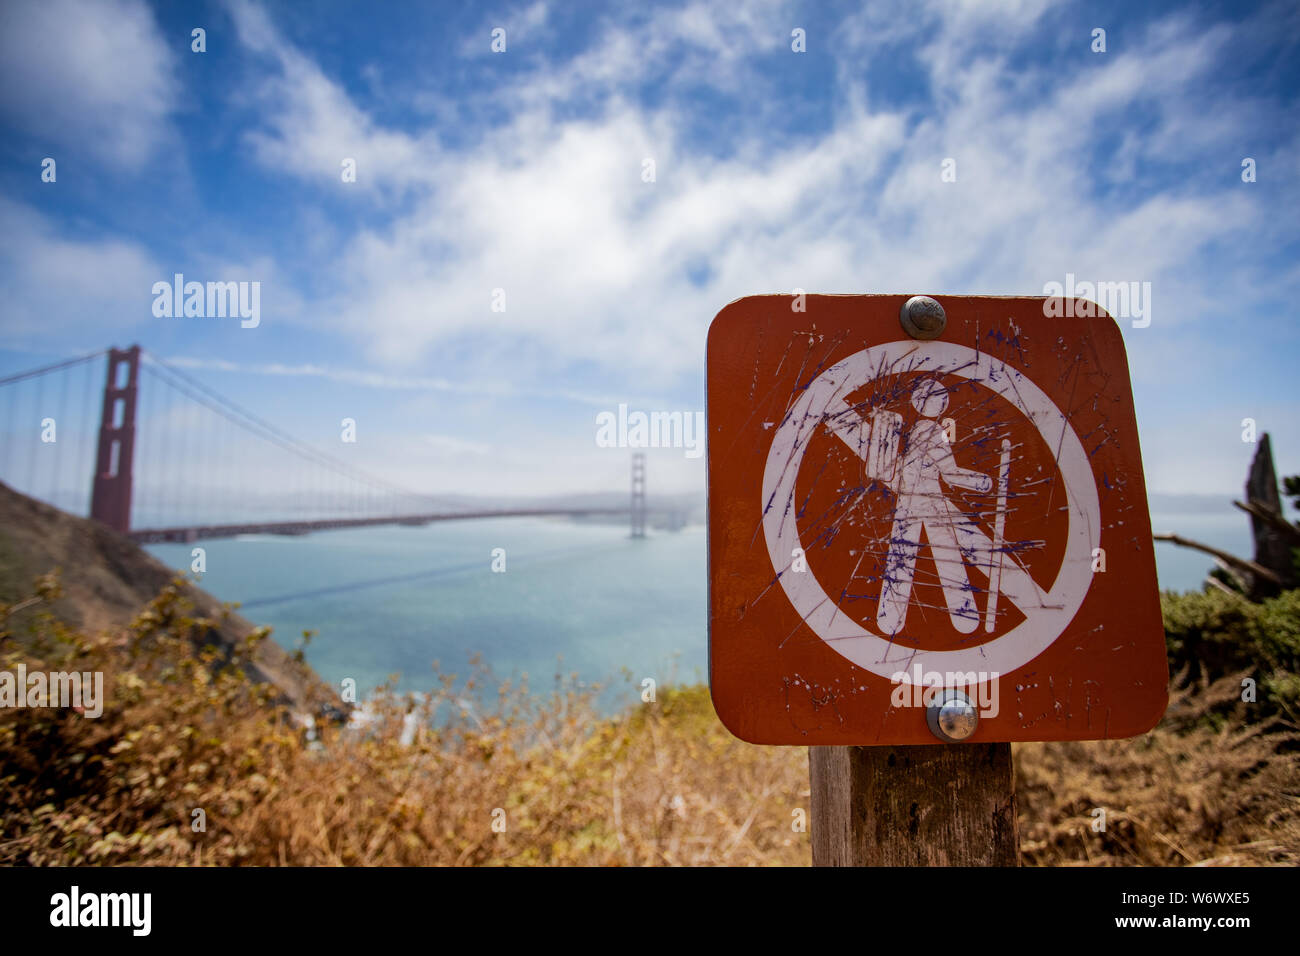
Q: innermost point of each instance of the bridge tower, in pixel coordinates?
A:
(638, 494)
(110, 498)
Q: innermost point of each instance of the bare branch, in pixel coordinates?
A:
(1274, 519)
(1256, 569)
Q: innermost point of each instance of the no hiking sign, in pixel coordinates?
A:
(903, 516)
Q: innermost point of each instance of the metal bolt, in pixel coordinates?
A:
(952, 716)
(923, 317)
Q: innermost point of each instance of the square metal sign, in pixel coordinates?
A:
(927, 539)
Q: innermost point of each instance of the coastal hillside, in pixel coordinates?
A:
(105, 580)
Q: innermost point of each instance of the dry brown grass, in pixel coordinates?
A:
(1198, 790)
(663, 784)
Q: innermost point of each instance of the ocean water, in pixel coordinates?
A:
(1184, 569)
(574, 598)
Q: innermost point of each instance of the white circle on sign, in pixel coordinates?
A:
(1047, 613)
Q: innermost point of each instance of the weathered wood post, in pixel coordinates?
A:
(946, 805)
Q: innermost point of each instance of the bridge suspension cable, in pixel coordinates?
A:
(327, 487)
(164, 457)
(49, 429)
(201, 393)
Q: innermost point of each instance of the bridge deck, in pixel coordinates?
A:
(195, 532)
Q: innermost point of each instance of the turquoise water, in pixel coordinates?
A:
(1183, 569)
(575, 598)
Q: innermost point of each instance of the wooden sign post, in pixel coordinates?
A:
(928, 537)
(951, 805)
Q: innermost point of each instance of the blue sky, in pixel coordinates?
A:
(522, 170)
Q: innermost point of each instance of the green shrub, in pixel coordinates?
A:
(1211, 635)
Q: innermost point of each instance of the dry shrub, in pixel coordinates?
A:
(663, 784)
(184, 729)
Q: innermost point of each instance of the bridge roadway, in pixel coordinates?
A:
(196, 532)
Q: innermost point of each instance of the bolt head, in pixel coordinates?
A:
(952, 717)
(923, 318)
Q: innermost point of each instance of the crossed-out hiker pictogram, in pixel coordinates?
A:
(917, 480)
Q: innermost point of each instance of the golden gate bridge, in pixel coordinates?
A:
(164, 457)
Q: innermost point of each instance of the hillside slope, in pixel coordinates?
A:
(106, 579)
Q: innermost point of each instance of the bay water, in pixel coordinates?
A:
(574, 598)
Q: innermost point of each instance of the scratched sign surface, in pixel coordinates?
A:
(888, 515)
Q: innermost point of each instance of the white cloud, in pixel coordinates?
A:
(55, 283)
(89, 75)
(524, 26)
(311, 125)
(600, 267)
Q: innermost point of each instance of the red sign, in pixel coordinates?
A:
(895, 522)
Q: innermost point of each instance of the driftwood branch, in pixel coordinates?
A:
(1241, 579)
(1219, 585)
(1255, 509)
(1256, 569)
